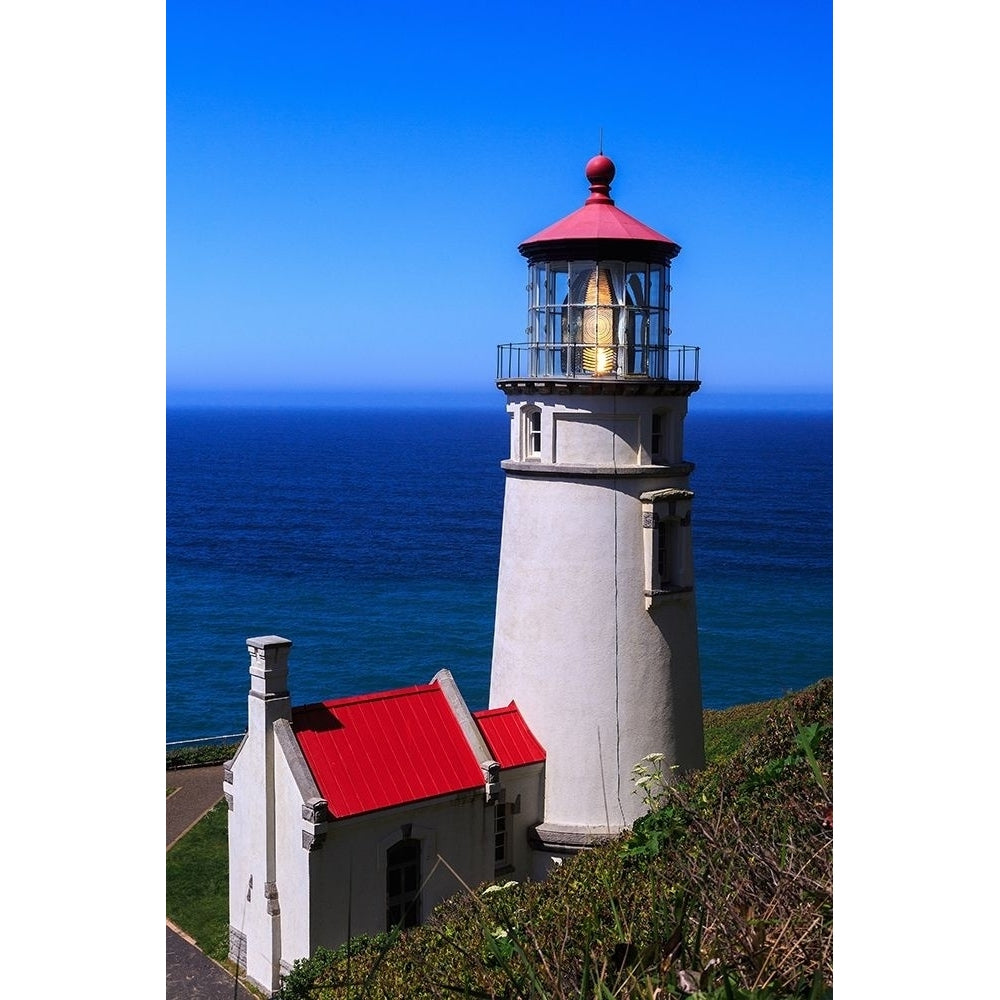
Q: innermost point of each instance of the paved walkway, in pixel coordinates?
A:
(192, 975)
(198, 789)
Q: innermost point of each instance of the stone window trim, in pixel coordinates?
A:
(666, 530)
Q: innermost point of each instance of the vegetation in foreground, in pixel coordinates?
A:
(724, 890)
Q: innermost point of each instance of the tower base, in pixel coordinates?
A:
(552, 843)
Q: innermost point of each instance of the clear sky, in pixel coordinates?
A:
(347, 184)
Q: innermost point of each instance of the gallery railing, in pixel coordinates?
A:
(577, 361)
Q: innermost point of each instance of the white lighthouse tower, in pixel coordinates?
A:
(596, 633)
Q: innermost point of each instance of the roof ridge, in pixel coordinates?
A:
(354, 699)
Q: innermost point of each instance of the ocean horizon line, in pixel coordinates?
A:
(730, 399)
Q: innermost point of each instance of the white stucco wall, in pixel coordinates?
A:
(601, 679)
(348, 872)
(249, 822)
(293, 860)
(585, 438)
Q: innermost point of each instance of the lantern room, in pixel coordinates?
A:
(598, 299)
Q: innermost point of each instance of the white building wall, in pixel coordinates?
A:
(349, 871)
(293, 858)
(245, 771)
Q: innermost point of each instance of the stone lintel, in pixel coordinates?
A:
(655, 496)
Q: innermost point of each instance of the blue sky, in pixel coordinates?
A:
(347, 184)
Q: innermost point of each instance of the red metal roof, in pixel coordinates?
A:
(385, 749)
(511, 742)
(599, 220)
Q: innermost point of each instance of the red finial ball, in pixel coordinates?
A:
(600, 170)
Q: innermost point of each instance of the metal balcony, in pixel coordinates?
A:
(569, 362)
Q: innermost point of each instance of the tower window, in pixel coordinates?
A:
(666, 522)
(664, 545)
(533, 441)
(402, 884)
(656, 439)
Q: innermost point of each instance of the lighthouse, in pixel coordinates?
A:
(596, 629)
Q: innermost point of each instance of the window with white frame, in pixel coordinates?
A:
(533, 432)
(501, 835)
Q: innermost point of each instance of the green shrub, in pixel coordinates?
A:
(208, 753)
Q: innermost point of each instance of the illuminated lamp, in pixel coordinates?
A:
(600, 351)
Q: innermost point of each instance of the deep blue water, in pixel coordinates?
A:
(370, 538)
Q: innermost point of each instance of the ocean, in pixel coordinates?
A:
(370, 538)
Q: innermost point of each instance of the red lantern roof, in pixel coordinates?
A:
(599, 229)
(394, 747)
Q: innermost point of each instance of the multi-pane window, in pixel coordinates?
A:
(501, 835)
(402, 884)
(534, 432)
(665, 531)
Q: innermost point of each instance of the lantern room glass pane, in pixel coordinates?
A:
(657, 354)
(560, 283)
(637, 320)
(536, 285)
(596, 319)
(636, 281)
(655, 285)
(548, 293)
